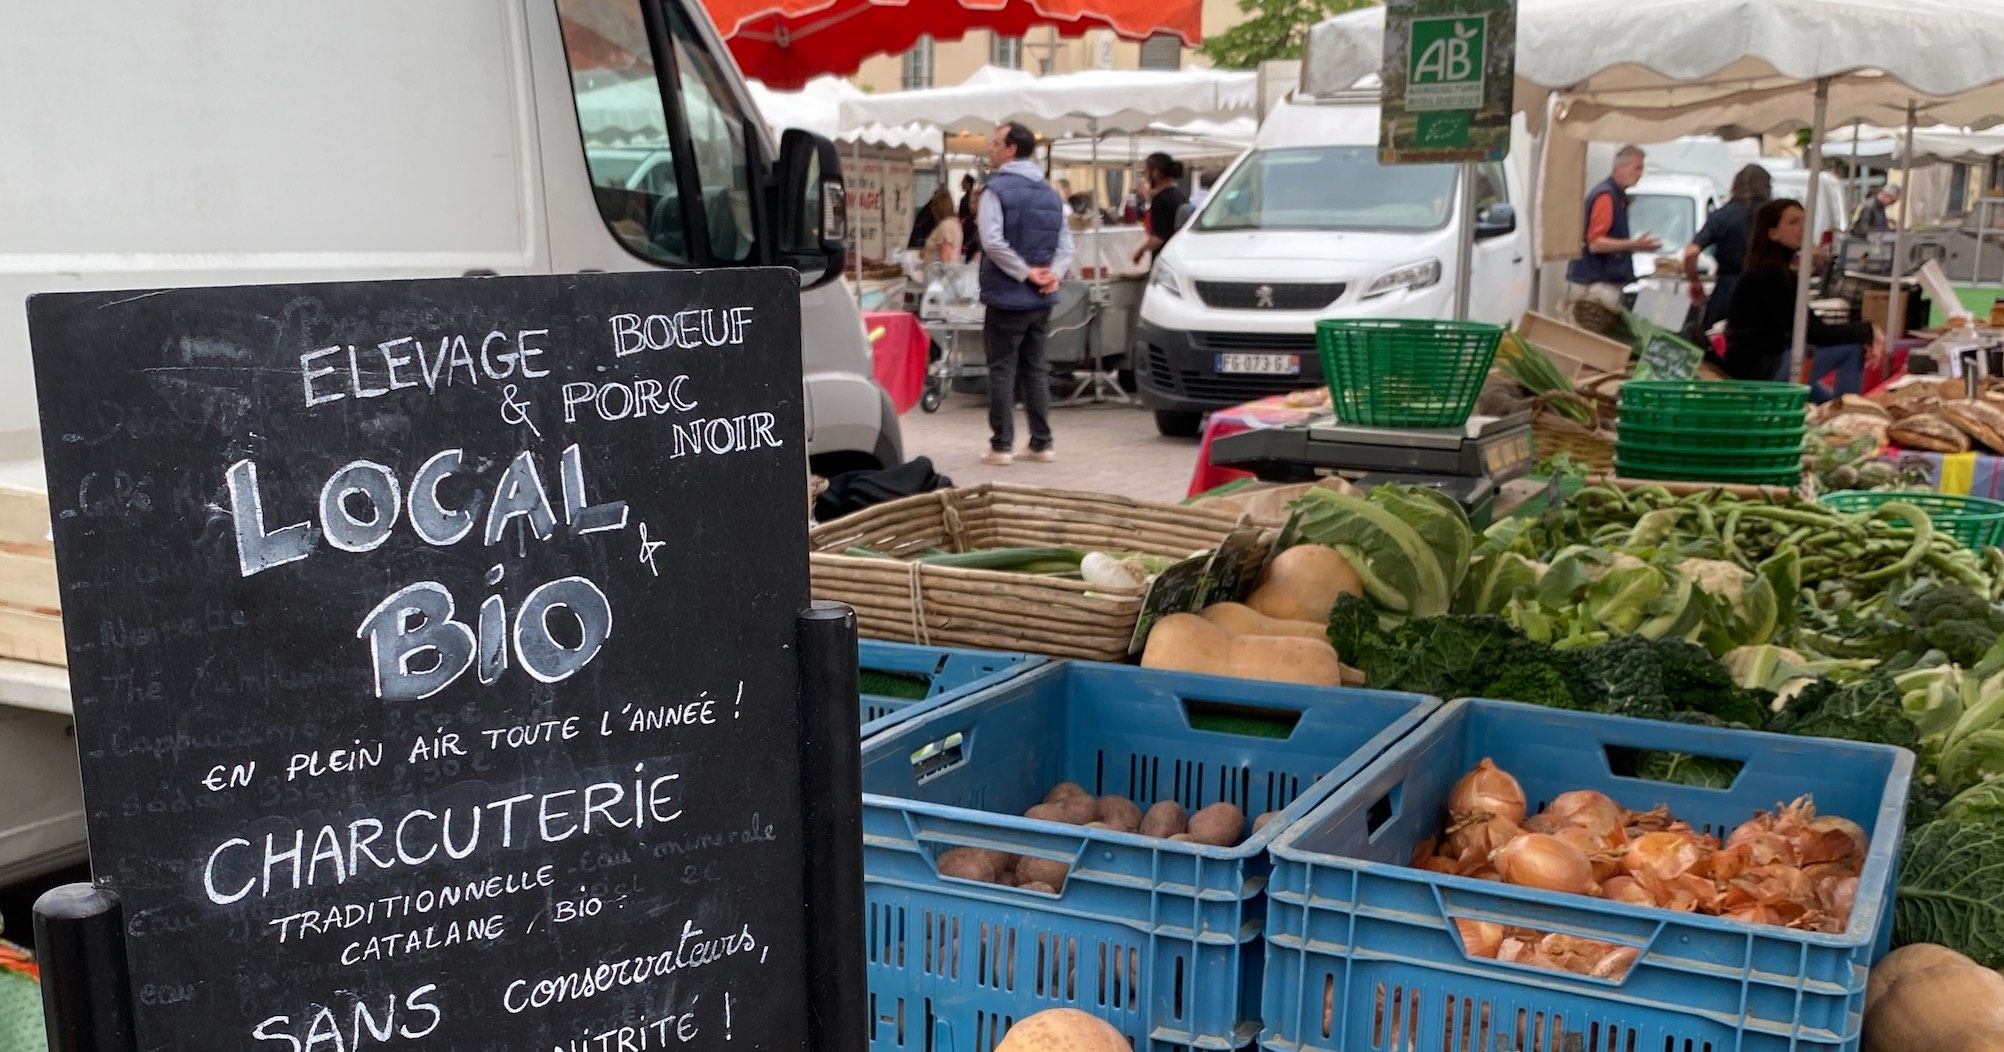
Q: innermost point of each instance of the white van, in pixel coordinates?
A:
(1307, 225)
(190, 142)
(148, 143)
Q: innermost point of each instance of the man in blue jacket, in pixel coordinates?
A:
(1025, 250)
(1607, 262)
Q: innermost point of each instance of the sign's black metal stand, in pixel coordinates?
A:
(831, 807)
(80, 945)
(79, 928)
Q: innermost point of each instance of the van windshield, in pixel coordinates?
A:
(1672, 218)
(1329, 188)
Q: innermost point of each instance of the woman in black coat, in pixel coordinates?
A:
(1760, 323)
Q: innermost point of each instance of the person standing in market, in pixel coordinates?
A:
(1873, 217)
(970, 236)
(1607, 260)
(1026, 249)
(1727, 233)
(1165, 199)
(1760, 323)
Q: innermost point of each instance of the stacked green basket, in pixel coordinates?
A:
(1711, 431)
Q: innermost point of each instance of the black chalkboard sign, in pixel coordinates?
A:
(432, 646)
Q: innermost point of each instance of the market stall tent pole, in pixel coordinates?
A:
(1464, 246)
(1896, 301)
(1805, 269)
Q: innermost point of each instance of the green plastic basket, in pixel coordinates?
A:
(1387, 372)
(1633, 467)
(1975, 521)
(1671, 449)
(1736, 421)
(1718, 396)
(1707, 441)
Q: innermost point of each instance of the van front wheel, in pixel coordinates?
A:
(1178, 424)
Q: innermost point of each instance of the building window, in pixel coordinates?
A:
(1008, 52)
(1162, 51)
(918, 64)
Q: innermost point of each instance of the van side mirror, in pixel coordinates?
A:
(812, 211)
(1496, 221)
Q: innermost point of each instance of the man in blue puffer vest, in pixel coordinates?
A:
(1025, 249)
(1607, 260)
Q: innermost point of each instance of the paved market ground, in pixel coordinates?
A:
(1101, 449)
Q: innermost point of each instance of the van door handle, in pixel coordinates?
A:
(481, 273)
(1516, 259)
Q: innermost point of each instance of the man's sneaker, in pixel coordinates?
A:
(996, 458)
(1041, 456)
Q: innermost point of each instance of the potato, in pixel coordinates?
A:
(1063, 1030)
(1120, 813)
(1063, 789)
(1260, 822)
(968, 863)
(1078, 810)
(1046, 813)
(1165, 819)
(1037, 885)
(1047, 871)
(1219, 825)
(1183, 838)
(1099, 825)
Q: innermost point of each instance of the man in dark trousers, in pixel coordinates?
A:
(1607, 261)
(1026, 248)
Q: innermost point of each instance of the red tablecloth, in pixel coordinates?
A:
(898, 356)
(1266, 412)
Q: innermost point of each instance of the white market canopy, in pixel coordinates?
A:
(1195, 142)
(1937, 145)
(1649, 70)
(629, 111)
(1067, 103)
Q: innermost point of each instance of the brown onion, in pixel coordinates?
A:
(1601, 817)
(1605, 863)
(1833, 839)
(1486, 792)
(1662, 856)
(1543, 822)
(1536, 860)
(1629, 890)
(1474, 839)
(1480, 938)
(1438, 864)
(1615, 962)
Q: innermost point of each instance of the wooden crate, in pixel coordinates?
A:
(31, 626)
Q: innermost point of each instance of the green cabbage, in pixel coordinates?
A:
(1951, 889)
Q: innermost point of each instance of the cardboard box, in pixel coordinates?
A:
(1877, 307)
(1572, 348)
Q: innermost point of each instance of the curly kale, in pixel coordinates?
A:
(1536, 682)
(1867, 710)
(1453, 656)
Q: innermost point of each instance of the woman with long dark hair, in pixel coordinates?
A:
(1760, 323)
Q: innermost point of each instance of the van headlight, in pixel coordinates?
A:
(1164, 277)
(1411, 276)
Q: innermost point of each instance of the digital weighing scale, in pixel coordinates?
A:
(1467, 463)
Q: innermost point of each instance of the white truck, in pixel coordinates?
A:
(1306, 225)
(153, 143)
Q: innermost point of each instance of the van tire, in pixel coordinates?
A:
(1173, 423)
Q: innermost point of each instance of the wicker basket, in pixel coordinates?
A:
(911, 602)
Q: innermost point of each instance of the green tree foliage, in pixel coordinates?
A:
(1273, 29)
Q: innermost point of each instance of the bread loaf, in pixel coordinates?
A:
(1851, 403)
(1979, 420)
(1929, 432)
(1911, 400)
(1852, 426)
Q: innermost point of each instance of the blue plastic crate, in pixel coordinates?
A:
(1159, 938)
(1362, 952)
(950, 674)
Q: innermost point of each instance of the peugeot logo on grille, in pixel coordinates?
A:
(1263, 296)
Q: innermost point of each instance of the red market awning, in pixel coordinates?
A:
(787, 42)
